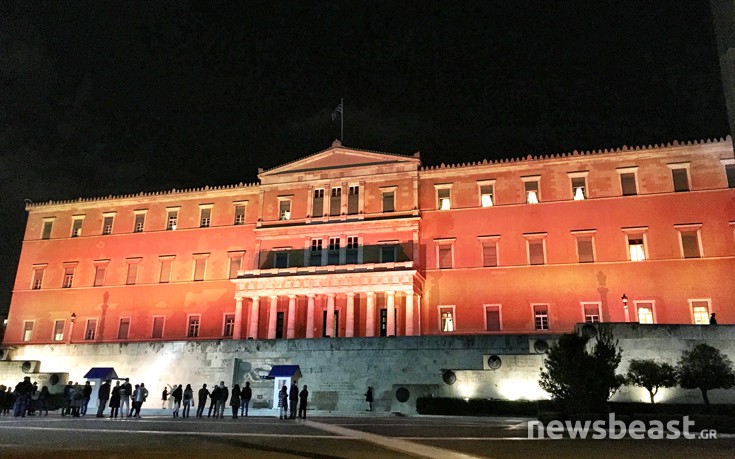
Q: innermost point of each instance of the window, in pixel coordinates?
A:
(334, 324)
(680, 176)
(446, 319)
(68, 277)
(76, 226)
(37, 282)
(628, 180)
(489, 250)
(132, 276)
(700, 311)
(645, 312)
(443, 196)
(90, 330)
(229, 328)
(353, 200)
(107, 223)
(239, 214)
(352, 243)
(689, 240)
(729, 171)
(281, 259)
(205, 216)
(536, 248)
(389, 200)
(585, 245)
(335, 202)
(235, 262)
(487, 189)
(317, 205)
(315, 258)
(591, 312)
(124, 328)
(100, 269)
(444, 254)
(531, 186)
(165, 274)
(333, 255)
(158, 322)
(200, 265)
(541, 316)
(383, 322)
(284, 209)
(48, 224)
(172, 218)
(387, 253)
(27, 330)
(193, 328)
(59, 326)
(492, 318)
(139, 221)
(636, 240)
(579, 185)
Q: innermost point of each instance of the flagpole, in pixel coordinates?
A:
(342, 121)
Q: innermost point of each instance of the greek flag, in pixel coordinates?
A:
(337, 110)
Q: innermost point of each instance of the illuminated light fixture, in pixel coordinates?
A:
(579, 194)
(625, 307)
(532, 197)
(73, 317)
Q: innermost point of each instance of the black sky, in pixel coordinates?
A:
(102, 97)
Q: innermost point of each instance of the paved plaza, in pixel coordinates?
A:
(324, 435)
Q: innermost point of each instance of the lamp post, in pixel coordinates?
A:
(72, 319)
(625, 307)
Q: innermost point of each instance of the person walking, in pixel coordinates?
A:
(102, 397)
(293, 399)
(188, 400)
(139, 396)
(213, 396)
(115, 400)
(369, 398)
(177, 394)
(222, 396)
(235, 400)
(303, 396)
(283, 403)
(203, 394)
(245, 395)
(164, 398)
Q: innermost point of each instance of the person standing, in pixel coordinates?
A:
(86, 395)
(66, 408)
(139, 395)
(213, 396)
(177, 395)
(303, 396)
(103, 397)
(43, 398)
(77, 400)
(293, 399)
(115, 400)
(203, 394)
(164, 398)
(712, 319)
(283, 403)
(369, 398)
(188, 400)
(235, 400)
(222, 396)
(245, 395)
(126, 390)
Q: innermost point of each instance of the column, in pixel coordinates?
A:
(329, 326)
(254, 314)
(310, 317)
(409, 314)
(237, 331)
(350, 324)
(390, 304)
(420, 313)
(291, 330)
(370, 314)
(272, 315)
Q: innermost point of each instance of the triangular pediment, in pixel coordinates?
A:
(339, 158)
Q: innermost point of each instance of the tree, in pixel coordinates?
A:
(705, 368)
(651, 375)
(581, 380)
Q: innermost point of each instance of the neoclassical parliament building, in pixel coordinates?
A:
(354, 243)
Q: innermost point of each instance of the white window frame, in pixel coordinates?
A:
(73, 266)
(165, 259)
(235, 206)
(38, 268)
(198, 325)
(438, 203)
(443, 242)
(105, 216)
(529, 237)
(286, 214)
(54, 337)
(678, 166)
(384, 190)
(629, 170)
(580, 234)
(77, 232)
(235, 255)
(597, 304)
(532, 179)
(119, 325)
(130, 263)
(497, 306)
(548, 315)
(727, 162)
(47, 221)
(163, 326)
(199, 257)
(94, 331)
(691, 302)
(224, 324)
(585, 191)
(281, 251)
(26, 334)
(100, 265)
(633, 231)
(494, 239)
(690, 228)
(636, 306)
(486, 183)
(393, 244)
(453, 310)
(202, 209)
(137, 213)
(172, 218)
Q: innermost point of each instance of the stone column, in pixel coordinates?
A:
(310, 317)
(291, 330)
(254, 314)
(350, 324)
(272, 315)
(409, 314)
(329, 326)
(370, 314)
(237, 331)
(390, 305)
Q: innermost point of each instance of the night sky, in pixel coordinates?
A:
(102, 97)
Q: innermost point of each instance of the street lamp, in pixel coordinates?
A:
(72, 319)
(625, 307)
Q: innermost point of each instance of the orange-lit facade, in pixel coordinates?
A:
(348, 242)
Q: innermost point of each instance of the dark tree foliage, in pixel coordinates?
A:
(651, 375)
(705, 368)
(580, 379)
